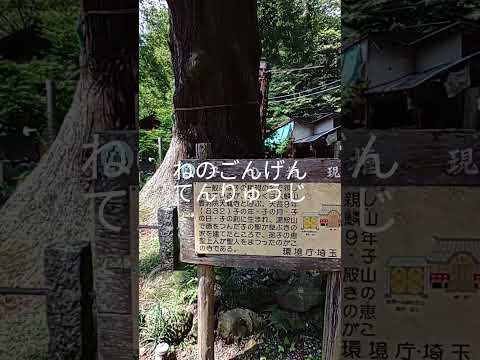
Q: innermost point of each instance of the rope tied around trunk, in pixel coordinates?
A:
(222, 106)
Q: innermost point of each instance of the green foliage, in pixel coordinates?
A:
(156, 77)
(298, 34)
(278, 148)
(149, 263)
(56, 22)
(161, 324)
(148, 143)
(293, 33)
(387, 15)
(188, 284)
(167, 317)
(26, 105)
(279, 322)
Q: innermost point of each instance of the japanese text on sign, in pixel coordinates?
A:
(268, 219)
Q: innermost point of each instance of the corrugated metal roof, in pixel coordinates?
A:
(413, 80)
(312, 119)
(314, 137)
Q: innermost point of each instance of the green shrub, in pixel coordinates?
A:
(171, 325)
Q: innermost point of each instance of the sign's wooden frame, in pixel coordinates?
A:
(422, 156)
(317, 172)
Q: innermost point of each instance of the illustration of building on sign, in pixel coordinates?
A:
(310, 221)
(330, 216)
(452, 267)
(455, 265)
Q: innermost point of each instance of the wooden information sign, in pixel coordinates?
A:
(276, 213)
(284, 213)
(265, 226)
(411, 259)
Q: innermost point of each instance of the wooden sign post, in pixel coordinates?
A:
(271, 213)
(206, 291)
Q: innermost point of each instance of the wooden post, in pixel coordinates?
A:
(331, 323)
(51, 125)
(206, 293)
(134, 264)
(115, 250)
(264, 80)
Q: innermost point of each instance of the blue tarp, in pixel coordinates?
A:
(280, 135)
(352, 61)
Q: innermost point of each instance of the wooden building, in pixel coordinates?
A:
(313, 136)
(416, 77)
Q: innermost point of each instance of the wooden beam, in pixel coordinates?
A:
(264, 80)
(206, 293)
(333, 308)
(331, 322)
(206, 320)
(134, 259)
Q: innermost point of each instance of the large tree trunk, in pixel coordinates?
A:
(216, 53)
(49, 207)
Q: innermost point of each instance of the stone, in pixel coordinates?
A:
(315, 317)
(168, 238)
(248, 289)
(68, 277)
(161, 351)
(301, 295)
(238, 323)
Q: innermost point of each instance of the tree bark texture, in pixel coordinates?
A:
(216, 52)
(333, 311)
(49, 208)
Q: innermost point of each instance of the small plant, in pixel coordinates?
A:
(188, 289)
(279, 322)
(165, 325)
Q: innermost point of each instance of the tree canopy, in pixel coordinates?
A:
(156, 77)
(294, 34)
(387, 15)
(54, 24)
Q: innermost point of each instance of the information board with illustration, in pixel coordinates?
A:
(280, 219)
(260, 212)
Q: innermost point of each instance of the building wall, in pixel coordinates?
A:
(387, 61)
(323, 126)
(440, 50)
(301, 131)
